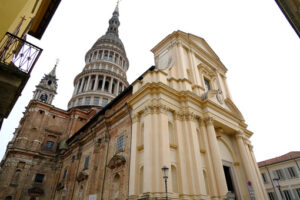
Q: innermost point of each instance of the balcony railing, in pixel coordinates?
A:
(19, 52)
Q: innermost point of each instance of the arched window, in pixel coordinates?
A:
(116, 187)
(43, 97)
(106, 86)
(100, 84)
(113, 88)
(141, 180)
(171, 134)
(174, 179)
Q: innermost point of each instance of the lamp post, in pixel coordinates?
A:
(278, 186)
(165, 176)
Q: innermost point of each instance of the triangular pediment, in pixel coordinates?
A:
(229, 103)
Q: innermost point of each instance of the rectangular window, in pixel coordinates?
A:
(86, 162)
(271, 195)
(49, 145)
(264, 177)
(291, 172)
(87, 100)
(278, 174)
(287, 195)
(104, 102)
(96, 101)
(79, 101)
(39, 178)
(207, 85)
(120, 143)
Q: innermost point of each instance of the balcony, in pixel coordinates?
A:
(17, 59)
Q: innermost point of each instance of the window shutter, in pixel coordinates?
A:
(287, 173)
(295, 171)
(296, 194)
(283, 174)
(275, 174)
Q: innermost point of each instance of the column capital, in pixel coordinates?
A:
(219, 132)
(209, 120)
(239, 134)
(135, 118)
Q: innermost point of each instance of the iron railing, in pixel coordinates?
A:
(19, 52)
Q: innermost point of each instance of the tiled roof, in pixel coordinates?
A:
(287, 156)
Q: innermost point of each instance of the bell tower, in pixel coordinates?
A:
(46, 89)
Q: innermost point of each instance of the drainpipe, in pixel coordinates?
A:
(105, 159)
(272, 182)
(129, 113)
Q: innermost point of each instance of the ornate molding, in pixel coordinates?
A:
(184, 115)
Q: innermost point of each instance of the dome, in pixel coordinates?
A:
(110, 38)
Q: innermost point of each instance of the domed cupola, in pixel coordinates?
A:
(104, 75)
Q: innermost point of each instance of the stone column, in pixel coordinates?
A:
(134, 168)
(261, 184)
(183, 178)
(110, 85)
(88, 83)
(148, 125)
(216, 158)
(210, 172)
(76, 88)
(118, 83)
(162, 150)
(103, 83)
(250, 174)
(96, 83)
(180, 65)
(81, 85)
(195, 70)
(194, 155)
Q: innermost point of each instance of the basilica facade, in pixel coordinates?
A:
(114, 138)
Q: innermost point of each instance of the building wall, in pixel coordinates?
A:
(27, 154)
(106, 176)
(197, 133)
(13, 11)
(289, 181)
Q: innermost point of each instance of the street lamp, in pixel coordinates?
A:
(165, 176)
(278, 186)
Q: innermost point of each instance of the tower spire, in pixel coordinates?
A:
(53, 71)
(114, 22)
(46, 89)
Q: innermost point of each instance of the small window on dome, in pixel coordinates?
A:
(49, 82)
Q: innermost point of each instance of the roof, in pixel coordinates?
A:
(43, 17)
(282, 158)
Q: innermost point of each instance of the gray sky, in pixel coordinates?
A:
(252, 38)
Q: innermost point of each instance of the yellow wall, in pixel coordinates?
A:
(11, 12)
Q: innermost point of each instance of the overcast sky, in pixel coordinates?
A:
(253, 39)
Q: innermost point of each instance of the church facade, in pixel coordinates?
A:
(114, 138)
